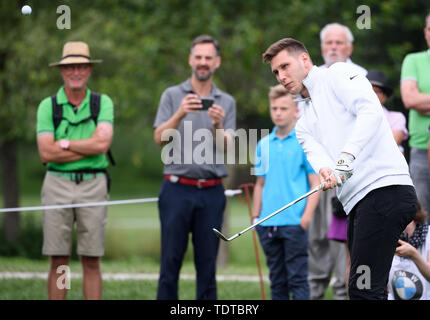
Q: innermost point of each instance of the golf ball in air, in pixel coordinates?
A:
(26, 9)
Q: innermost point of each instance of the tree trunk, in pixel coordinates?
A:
(9, 165)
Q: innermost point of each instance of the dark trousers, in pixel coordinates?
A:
(374, 227)
(184, 209)
(286, 250)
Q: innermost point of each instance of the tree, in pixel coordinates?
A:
(10, 116)
(144, 46)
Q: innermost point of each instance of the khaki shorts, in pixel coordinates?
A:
(90, 221)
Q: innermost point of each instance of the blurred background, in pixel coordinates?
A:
(144, 45)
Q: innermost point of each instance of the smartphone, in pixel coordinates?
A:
(206, 104)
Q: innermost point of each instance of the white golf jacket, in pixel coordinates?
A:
(345, 115)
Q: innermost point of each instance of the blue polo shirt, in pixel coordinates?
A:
(283, 164)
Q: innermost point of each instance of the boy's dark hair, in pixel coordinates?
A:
(204, 38)
(291, 45)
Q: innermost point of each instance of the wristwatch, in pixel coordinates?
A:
(64, 144)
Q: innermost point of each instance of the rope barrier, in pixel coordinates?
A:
(228, 193)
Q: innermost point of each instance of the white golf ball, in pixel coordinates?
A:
(26, 9)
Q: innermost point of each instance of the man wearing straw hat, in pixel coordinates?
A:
(73, 140)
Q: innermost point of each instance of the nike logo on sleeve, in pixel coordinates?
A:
(353, 77)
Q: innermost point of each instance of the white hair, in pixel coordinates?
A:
(329, 26)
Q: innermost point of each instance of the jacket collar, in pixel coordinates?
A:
(312, 78)
(62, 97)
(186, 86)
(273, 135)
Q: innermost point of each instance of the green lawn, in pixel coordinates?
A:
(19, 289)
(35, 289)
(123, 289)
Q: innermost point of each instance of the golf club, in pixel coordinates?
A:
(223, 237)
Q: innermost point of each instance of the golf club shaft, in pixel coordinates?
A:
(318, 188)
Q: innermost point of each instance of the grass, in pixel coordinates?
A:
(35, 289)
(130, 265)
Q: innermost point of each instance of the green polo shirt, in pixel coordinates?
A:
(416, 66)
(45, 125)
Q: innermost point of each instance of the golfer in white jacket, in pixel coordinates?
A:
(348, 141)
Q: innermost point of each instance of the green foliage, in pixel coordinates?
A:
(30, 239)
(145, 44)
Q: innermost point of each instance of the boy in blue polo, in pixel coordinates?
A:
(283, 175)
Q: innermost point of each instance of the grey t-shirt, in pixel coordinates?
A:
(192, 152)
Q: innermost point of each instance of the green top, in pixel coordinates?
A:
(416, 66)
(45, 124)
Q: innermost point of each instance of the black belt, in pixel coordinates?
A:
(79, 174)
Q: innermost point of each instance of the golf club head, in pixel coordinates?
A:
(219, 234)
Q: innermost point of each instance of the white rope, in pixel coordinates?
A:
(228, 193)
(79, 205)
(232, 193)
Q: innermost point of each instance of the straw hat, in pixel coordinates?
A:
(75, 52)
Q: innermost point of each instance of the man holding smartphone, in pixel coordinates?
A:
(192, 195)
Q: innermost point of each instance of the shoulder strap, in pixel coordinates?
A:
(95, 106)
(57, 112)
(95, 110)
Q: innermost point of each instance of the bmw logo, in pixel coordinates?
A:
(406, 285)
